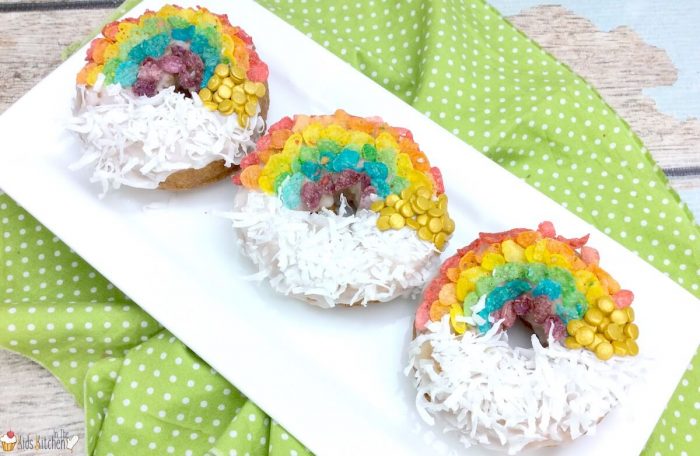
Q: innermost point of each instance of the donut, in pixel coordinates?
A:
(340, 210)
(171, 99)
(500, 397)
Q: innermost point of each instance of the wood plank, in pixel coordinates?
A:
(34, 402)
(31, 44)
(51, 5)
(620, 64)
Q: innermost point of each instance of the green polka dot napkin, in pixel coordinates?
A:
(461, 64)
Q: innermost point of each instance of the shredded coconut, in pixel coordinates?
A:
(328, 259)
(507, 398)
(140, 141)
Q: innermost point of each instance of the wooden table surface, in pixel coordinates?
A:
(37, 31)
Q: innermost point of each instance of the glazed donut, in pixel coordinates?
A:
(340, 209)
(504, 398)
(171, 99)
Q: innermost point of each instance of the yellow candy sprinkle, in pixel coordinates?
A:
(221, 70)
(597, 340)
(619, 316)
(631, 330)
(632, 347)
(439, 240)
(593, 316)
(423, 203)
(449, 226)
(391, 200)
(406, 210)
(571, 343)
(630, 313)
(574, 325)
(423, 192)
(216, 98)
(238, 95)
(260, 90)
(237, 74)
(606, 304)
(396, 221)
(226, 105)
(214, 83)
(228, 82)
(249, 87)
(585, 335)
(442, 202)
(411, 223)
(425, 234)
(423, 219)
(604, 351)
(406, 193)
(435, 212)
(377, 206)
(205, 94)
(383, 223)
(243, 120)
(619, 347)
(614, 332)
(388, 211)
(211, 105)
(435, 225)
(224, 92)
(251, 108)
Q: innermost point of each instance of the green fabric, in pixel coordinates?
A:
(462, 65)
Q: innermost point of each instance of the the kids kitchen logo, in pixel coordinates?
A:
(59, 440)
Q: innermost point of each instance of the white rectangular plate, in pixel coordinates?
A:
(334, 378)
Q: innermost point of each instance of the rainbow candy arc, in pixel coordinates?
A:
(192, 40)
(310, 161)
(553, 283)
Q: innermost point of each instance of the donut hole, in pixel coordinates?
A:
(520, 335)
(344, 203)
(527, 315)
(178, 67)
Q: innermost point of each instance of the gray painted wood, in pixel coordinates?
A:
(34, 402)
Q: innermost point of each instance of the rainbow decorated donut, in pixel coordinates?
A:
(474, 383)
(171, 99)
(339, 209)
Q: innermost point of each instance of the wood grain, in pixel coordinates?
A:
(31, 45)
(34, 402)
(620, 65)
(50, 5)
